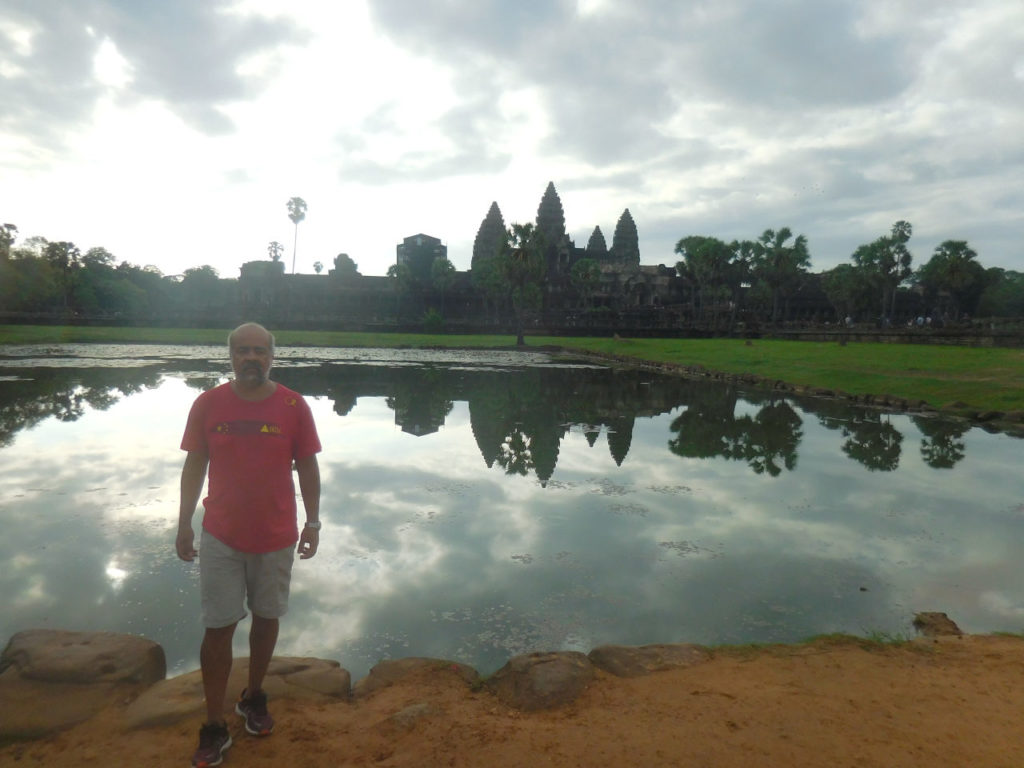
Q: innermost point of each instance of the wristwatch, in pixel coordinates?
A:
(313, 525)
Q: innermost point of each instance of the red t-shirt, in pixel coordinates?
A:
(250, 504)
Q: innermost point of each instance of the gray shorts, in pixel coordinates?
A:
(228, 577)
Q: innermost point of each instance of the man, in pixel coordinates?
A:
(248, 432)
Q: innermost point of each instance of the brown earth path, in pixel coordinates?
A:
(950, 702)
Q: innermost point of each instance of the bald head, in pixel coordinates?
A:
(252, 353)
(250, 331)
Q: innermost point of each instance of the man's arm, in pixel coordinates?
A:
(193, 474)
(309, 486)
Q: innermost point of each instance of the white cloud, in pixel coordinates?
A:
(175, 136)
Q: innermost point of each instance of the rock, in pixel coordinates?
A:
(178, 698)
(933, 624)
(391, 671)
(542, 680)
(988, 415)
(53, 679)
(57, 656)
(406, 719)
(634, 661)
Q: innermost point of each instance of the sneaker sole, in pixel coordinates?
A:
(250, 731)
(220, 758)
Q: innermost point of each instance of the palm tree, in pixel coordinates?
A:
(274, 250)
(523, 267)
(953, 271)
(8, 233)
(296, 212)
(886, 261)
(779, 265)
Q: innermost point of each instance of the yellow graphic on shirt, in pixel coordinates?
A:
(243, 428)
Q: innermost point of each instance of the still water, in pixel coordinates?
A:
(480, 505)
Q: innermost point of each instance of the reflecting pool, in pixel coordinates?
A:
(478, 505)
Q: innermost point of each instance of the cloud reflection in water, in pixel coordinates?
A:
(631, 521)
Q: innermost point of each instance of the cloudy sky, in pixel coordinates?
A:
(173, 133)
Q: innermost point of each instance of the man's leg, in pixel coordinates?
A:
(262, 639)
(215, 660)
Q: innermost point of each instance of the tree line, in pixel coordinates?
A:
(56, 278)
(767, 279)
(878, 284)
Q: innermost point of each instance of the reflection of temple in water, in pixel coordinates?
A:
(519, 416)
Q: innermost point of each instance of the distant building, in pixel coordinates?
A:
(419, 253)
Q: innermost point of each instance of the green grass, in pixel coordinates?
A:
(981, 378)
(873, 642)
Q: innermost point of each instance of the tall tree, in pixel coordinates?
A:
(780, 264)
(297, 213)
(706, 261)
(886, 262)
(1003, 295)
(65, 259)
(200, 286)
(849, 290)
(488, 279)
(523, 267)
(953, 278)
(98, 257)
(626, 241)
(275, 250)
(8, 234)
(738, 273)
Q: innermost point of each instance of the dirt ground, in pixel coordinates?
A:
(952, 702)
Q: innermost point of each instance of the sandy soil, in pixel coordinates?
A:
(953, 702)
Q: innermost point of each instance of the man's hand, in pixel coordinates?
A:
(184, 544)
(309, 540)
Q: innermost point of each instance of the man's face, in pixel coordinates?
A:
(251, 357)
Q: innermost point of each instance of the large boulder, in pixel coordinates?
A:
(636, 661)
(542, 680)
(935, 624)
(52, 679)
(58, 656)
(180, 698)
(390, 671)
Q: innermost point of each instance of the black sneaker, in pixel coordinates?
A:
(253, 708)
(214, 741)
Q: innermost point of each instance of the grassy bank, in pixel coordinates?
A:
(981, 378)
